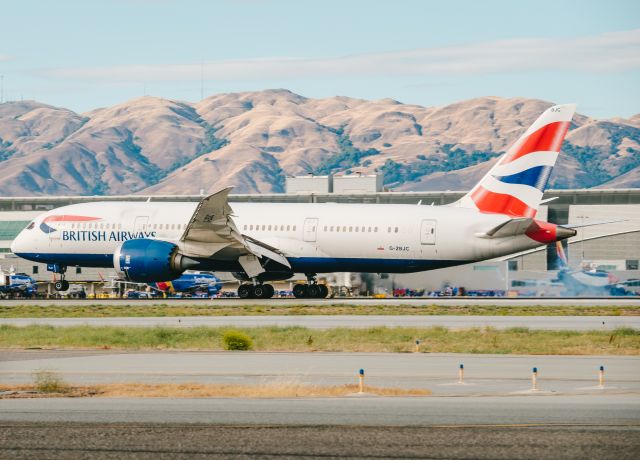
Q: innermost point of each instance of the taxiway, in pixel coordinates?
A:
(413, 301)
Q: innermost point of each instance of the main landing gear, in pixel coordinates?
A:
(313, 290)
(62, 284)
(255, 291)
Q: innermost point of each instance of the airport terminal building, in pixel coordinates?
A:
(614, 247)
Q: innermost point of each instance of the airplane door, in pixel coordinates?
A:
(140, 224)
(310, 229)
(428, 231)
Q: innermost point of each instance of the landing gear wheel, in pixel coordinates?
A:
(313, 291)
(61, 285)
(259, 291)
(269, 291)
(245, 291)
(300, 291)
(324, 291)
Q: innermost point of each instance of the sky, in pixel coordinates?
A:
(88, 54)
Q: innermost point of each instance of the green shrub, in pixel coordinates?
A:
(48, 382)
(236, 340)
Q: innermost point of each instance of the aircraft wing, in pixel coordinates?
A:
(213, 234)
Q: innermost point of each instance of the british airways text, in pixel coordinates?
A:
(95, 235)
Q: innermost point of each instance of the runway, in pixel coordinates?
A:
(493, 415)
(189, 440)
(366, 411)
(484, 374)
(575, 323)
(413, 301)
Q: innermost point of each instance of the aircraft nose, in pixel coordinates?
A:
(20, 243)
(16, 243)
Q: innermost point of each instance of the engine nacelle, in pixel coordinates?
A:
(145, 260)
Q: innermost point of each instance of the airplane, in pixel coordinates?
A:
(190, 282)
(16, 283)
(588, 280)
(261, 242)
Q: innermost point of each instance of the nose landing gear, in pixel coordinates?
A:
(62, 284)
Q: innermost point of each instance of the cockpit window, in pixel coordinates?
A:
(31, 225)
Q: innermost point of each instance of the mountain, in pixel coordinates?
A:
(253, 140)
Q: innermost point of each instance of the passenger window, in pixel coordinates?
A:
(287, 228)
(331, 229)
(375, 230)
(396, 229)
(244, 227)
(264, 227)
(337, 229)
(369, 230)
(350, 229)
(269, 228)
(344, 228)
(356, 229)
(325, 228)
(294, 228)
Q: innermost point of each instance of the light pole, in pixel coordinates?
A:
(582, 218)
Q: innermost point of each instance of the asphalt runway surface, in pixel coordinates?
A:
(484, 374)
(620, 410)
(574, 323)
(414, 301)
(493, 415)
(170, 441)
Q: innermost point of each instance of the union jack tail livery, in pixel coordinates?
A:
(516, 183)
(564, 263)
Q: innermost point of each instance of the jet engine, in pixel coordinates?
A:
(145, 260)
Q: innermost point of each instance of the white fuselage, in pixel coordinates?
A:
(315, 238)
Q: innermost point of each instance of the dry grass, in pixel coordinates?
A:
(49, 382)
(195, 390)
(211, 308)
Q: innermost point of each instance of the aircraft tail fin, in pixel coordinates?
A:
(562, 256)
(516, 183)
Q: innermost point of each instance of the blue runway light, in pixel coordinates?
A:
(602, 368)
(535, 369)
(461, 366)
(361, 371)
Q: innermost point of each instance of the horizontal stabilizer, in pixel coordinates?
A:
(512, 227)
